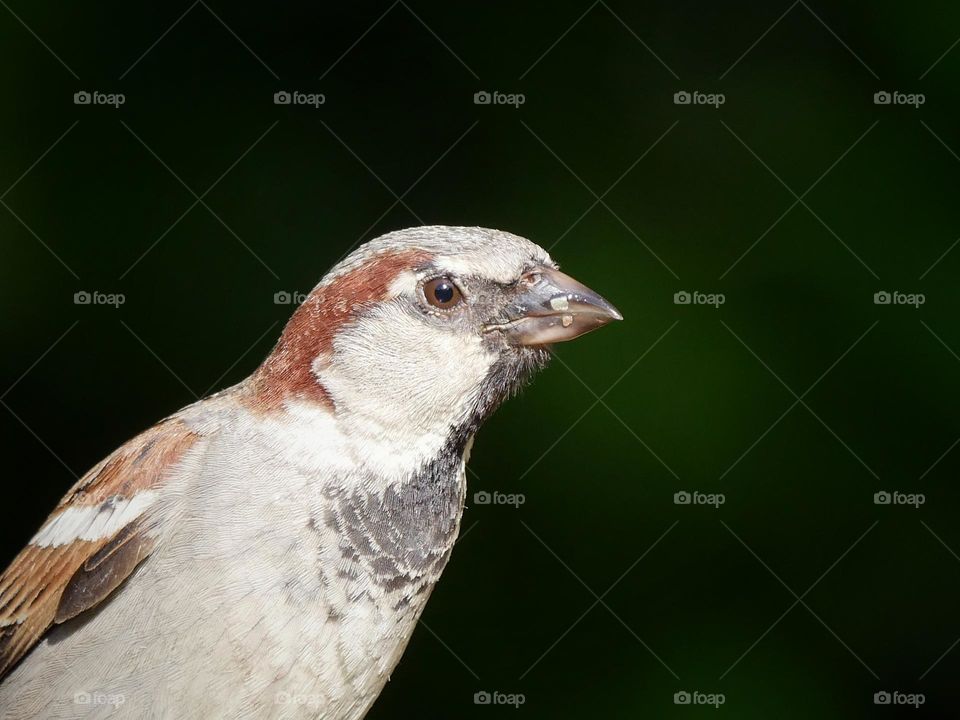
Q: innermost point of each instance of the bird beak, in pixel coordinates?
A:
(554, 309)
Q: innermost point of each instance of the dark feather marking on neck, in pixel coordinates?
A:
(403, 538)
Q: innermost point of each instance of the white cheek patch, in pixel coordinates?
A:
(404, 283)
(93, 522)
(400, 384)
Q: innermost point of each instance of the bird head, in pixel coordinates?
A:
(425, 331)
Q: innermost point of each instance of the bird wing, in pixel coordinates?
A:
(96, 536)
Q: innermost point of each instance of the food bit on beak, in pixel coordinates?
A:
(553, 309)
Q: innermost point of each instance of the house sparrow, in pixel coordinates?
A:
(267, 551)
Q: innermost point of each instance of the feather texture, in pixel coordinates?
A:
(90, 543)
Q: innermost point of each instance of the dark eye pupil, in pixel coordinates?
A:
(443, 292)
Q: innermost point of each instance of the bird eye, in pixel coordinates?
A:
(442, 293)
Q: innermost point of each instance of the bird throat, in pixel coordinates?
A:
(395, 541)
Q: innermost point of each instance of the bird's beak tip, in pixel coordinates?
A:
(614, 313)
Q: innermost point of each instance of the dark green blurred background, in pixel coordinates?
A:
(712, 406)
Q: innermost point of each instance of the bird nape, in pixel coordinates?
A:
(267, 551)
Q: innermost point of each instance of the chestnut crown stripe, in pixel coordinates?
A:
(287, 372)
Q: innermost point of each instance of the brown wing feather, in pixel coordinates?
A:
(47, 585)
(103, 571)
